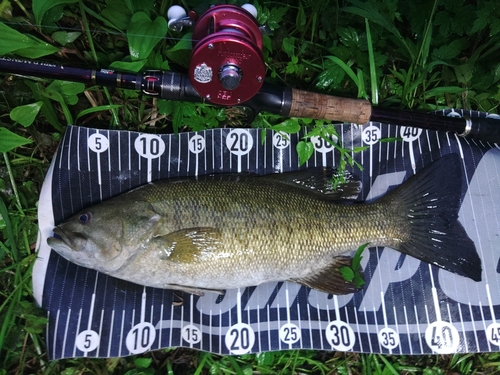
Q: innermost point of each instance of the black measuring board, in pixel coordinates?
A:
(406, 306)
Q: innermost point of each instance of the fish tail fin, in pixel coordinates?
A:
(430, 202)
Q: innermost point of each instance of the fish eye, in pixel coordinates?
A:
(84, 218)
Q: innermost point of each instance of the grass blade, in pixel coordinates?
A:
(371, 59)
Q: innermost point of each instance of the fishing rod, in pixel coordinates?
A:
(227, 69)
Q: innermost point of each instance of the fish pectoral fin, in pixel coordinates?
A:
(330, 279)
(189, 245)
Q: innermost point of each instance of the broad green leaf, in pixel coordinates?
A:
(143, 362)
(10, 140)
(464, 73)
(358, 280)
(23, 45)
(265, 358)
(25, 114)
(290, 126)
(331, 75)
(128, 66)
(67, 90)
(185, 43)
(135, 6)
(47, 108)
(40, 7)
(116, 13)
(349, 37)
(305, 150)
(65, 37)
(143, 34)
(301, 19)
(165, 107)
(289, 46)
(35, 324)
(181, 52)
(275, 17)
(347, 273)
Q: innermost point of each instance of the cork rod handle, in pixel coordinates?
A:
(320, 106)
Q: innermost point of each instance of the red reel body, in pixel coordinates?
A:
(227, 66)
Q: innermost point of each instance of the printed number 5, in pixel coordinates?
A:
(98, 143)
(87, 340)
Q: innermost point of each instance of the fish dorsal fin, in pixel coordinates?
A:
(330, 279)
(319, 180)
(189, 245)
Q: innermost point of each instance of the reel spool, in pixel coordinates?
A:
(227, 67)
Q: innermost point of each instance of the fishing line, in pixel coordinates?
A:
(97, 31)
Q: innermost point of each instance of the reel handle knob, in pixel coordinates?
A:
(250, 9)
(177, 18)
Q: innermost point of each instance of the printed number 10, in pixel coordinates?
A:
(153, 148)
(144, 335)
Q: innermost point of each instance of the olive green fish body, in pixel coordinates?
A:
(250, 232)
(216, 233)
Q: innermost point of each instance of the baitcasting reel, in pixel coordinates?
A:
(227, 67)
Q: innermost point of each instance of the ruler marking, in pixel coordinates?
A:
(368, 330)
(320, 329)
(65, 333)
(376, 328)
(435, 299)
(191, 315)
(100, 333)
(78, 151)
(358, 330)
(300, 326)
(463, 327)
(120, 346)
(484, 325)
(310, 325)
(77, 329)
(160, 329)
(111, 332)
(171, 325)
(408, 330)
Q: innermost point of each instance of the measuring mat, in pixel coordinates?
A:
(405, 307)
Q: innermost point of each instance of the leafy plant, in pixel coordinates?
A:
(353, 273)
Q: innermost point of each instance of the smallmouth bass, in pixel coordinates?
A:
(222, 232)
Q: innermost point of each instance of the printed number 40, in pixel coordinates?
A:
(494, 333)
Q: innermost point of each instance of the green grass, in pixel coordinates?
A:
(421, 55)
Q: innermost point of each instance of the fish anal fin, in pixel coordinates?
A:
(330, 279)
(188, 245)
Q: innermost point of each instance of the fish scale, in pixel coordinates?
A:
(224, 232)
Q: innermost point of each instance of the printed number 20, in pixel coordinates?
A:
(240, 338)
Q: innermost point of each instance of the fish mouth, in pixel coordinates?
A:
(62, 242)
